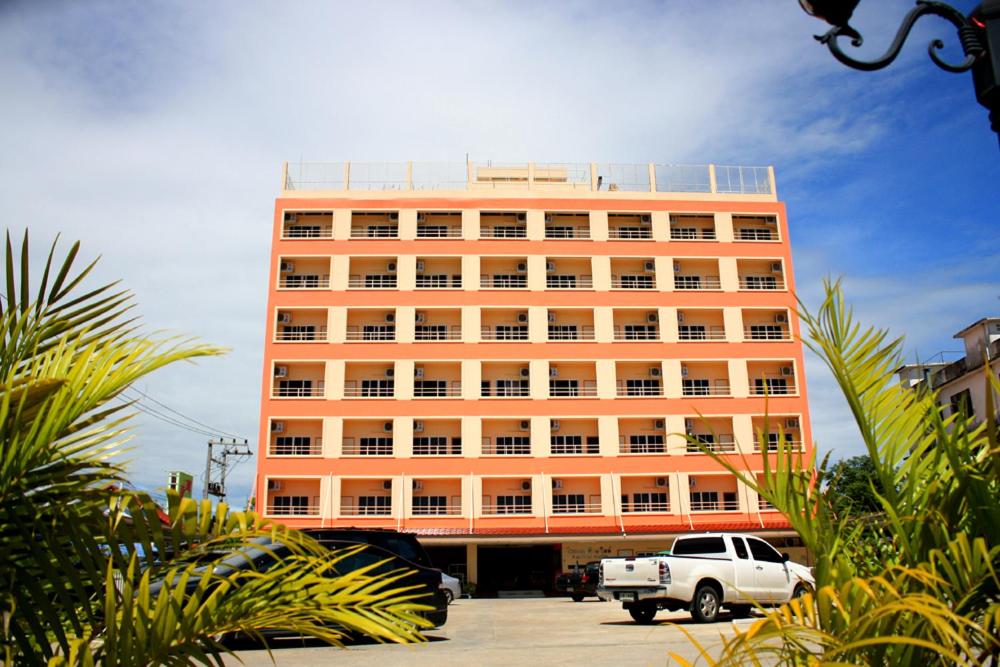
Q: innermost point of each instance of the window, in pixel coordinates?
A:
(763, 551)
(568, 503)
(506, 388)
(513, 504)
(430, 388)
(560, 281)
(509, 281)
(378, 332)
(509, 232)
(380, 280)
(290, 505)
(687, 282)
(705, 501)
(961, 403)
(294, 388)
(301, 281)
(766, 332)
(564, 387)
(761, 282)
(753, 234)
(645, 387)
(435, 281)
(430, 504)
(298, 332)
(741, 548)
(436, 445)
(511, 332)
(631, 232)
(377, 388)
(375, 446)
(292, 445)
(431, 332)
(563, 332)
(641, 332)
(650, 443)
(432, 231)
(560, 232)
(647, 502)
(513, 445)
(378, 505)
(636, 282)
(381, 231)
(775, 386)
(699, 545)
(303, 232)
(691, 332)
(695, 388)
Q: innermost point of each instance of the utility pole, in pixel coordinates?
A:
(219, 462)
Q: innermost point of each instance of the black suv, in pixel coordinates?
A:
(402, 550)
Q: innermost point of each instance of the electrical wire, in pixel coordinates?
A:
(184, 416)
(165, 418)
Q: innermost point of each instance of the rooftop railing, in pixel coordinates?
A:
(582, 176)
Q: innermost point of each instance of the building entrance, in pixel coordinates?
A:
(518, 568)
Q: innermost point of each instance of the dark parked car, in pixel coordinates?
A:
(580, 581)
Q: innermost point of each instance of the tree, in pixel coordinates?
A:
(934, 597)
(854, 486)
(78, 553)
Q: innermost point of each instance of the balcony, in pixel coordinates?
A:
(639, 379)
(301, 273)
(641, 436)
(505, 380)
(692, 275)
(507, 496)
(758, 275)
(705, 379)
(574, 437)
(775, 429)
(369, 380)
(298, 380)
(366, 497)
(630, 226)
(755, 228)
(567, 225)
(568, 273)
(295, 437)
(771, 378)
(301, 326)
(371, 325)
(372, 273)
(293, 497)
(633, 274)
(503, 225)
(576, 495)
(436, 497)
(765, 325)
(375, 225)
(636, 325)
(439, 273)
(713, 493)
(437, 437)
(307, 225)
(506, 437)
(692, 227)
(570, 324)
(503, 325)
(572, 380)
(700, 325)
(439, 224)
(714, 434)
(645, 495)
(503, 273)
(438, 324)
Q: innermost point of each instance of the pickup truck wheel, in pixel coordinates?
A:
(577, 597)
(705, 606)
(643, 612)
(449, 597)
(799, 591)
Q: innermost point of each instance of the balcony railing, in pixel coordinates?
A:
(504, 232)
(691, 234)
(304, 281)
(762, 283)
(439, 281)
(576, 508)
(307, 232)
(355, 389)
(640, 281)
(699, 332)
(636, 332)
(583, 448)
(503, 281)
(438, 232)
(316, 390)
(371, 333)
(512, 389)
(437, 389)
(297, 447)
(754, 234)
(437, 510)
(630, 233)
(571, 332)
(694, 283)
(375, 232)
(492, 509)
(557, 232)
(713, 388)
(582, 389)
(721, 444)
(766, 332)
(372, 281)
(772, 445)
(504, 332)
(775, 387)
(500, 447)
(636, 389)
(651, 446)
(764, 506)
(366, 510)
(450, 447)
(645, 508)
(373, 446)
(313, 334)
(569, 282)
(715, 505)
(293, 510)
(432, 332)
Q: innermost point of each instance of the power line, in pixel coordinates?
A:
(162, 417)
(214, 430)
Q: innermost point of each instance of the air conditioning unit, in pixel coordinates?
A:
(680, 317)
(661, 481)
(557, 484)
(390, 317)
(522, 267)
(787, 371)
(394, 215)
(277, 427)
(550, 267)
(522, 217)
(387, 485)
(274, 485)
(775, 267)
(554, 424)
(522, 318)
(421, 217)
(552, 316)
(390, 372)
(677, 267)
(281, 371)
(390, 267)
(291, 217)
(420, 266)
(553, 372)
(659, 424)
(655, 371)
(418, 485)
(418, 372)
(418, 426)
(549, 217)
(781, 318)
(526, 485)
(421, 317)
(285, 318)
(649, 267)
(652, 317)
(524, 425)
(387, 427)
(525, 372)
(689, 425)
(684, 370)
(645, 218)
(287, 267)
(791, 423)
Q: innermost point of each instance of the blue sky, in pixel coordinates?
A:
(154, 133)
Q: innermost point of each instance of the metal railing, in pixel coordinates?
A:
(555, 231)
(436, 510)
(432, 333)
(623, 390)
(714, 505)
(641, 281)
(762, 283)
(493, 509)
(754, 234)
(626, 446)
(514, 332)
(365, 510)
(691, 234)
(723, 443)
(594, 177)
(765, 506)
(585, 389)
(749, 333)
(373, 281)
(314, 448)
(491, 390)
(574, 449)
(490, 447)
(772, 445)
(576, 508)
(354, 447)
(354, 389)
(439, 281)
(645, 508)
(569, 282)
(293, 510)
(571, 332)
(433, 449)
(357, 333)
(317, 390)
(630, 233)
(620, 333)
(435, 389)
(694, 283)
(319, 336)
(304, 282)
(773, 389)
(385, 231)
(504, 232)
(714, 388)
(503, 281)
(709, 332)
(438, 232)
(307, 232)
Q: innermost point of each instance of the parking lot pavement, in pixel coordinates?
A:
(540, 631)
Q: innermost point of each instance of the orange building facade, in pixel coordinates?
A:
(508, 360)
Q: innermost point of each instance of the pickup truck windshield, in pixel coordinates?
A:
(697, 546)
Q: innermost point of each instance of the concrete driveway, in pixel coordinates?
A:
(539, 631)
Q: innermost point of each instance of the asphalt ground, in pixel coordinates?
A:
(535, 631)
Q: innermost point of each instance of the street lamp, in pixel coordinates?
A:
(979, 34)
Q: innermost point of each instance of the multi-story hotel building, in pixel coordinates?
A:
(507, 359)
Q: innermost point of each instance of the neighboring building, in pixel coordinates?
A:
(504, 359)
(961, 384)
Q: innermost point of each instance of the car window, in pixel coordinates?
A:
(698, 546)
(741, 548)
(763, 551)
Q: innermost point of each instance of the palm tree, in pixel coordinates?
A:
(78, 552)
(929, 592)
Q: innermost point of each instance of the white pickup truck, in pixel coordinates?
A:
(703, 573)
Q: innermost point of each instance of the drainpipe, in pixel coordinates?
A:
(616, 499)
(399, 512)
(472, 487)
(545, 515)
(680, 498)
